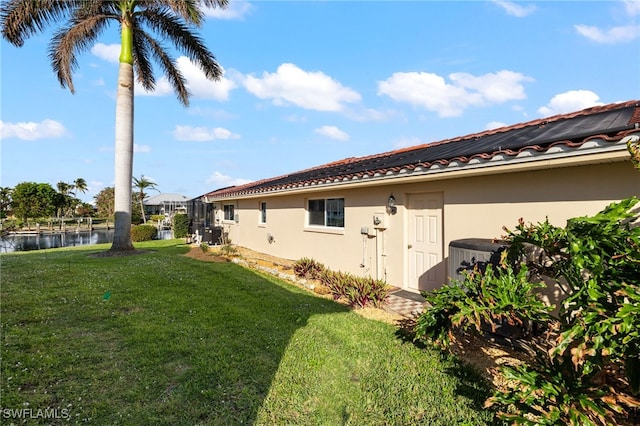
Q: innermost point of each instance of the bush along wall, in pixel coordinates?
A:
(588, 368)
(358, 292)
(180, 225)
(143, 233)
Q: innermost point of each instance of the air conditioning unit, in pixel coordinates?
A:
(468, 253)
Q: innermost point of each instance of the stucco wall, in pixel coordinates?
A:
(475, 206)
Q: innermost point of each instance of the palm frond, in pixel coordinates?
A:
(21, 19)
(82, 21)
(187, 10)
(164, 22)
(141, 61)
(71, 40)
(173, 74)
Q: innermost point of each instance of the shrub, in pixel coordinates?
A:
(204, 247)
(143, 233)
(357, 291)
(364, 290)
(157, 217)
(180, 225)
(336, 282)
(590, 372)
(308, 269)
(487, 299)
(588, 367)
(228, 250)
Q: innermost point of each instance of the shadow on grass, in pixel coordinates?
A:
(471, 384)
(177, 341)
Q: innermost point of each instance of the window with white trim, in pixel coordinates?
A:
(228, 211)
(326, 212)
(263, 212)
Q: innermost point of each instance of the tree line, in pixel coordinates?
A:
(32, 200)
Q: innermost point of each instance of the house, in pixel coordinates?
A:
(165, 204)
(393, 215)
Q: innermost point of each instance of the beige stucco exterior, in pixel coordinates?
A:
(476, 202)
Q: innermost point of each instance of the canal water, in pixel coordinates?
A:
(14, 243)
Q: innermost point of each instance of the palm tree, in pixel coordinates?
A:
(142, 184)
(172, 20)
(63, 200)
(80, 185)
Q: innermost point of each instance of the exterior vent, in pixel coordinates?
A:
(468, 253)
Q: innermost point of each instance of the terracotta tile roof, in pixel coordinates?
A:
(568, 131)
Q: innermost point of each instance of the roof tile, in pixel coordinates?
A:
(608, 122)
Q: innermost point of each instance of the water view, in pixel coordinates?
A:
(29, 242)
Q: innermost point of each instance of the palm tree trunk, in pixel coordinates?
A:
(144, 219)
(123, 159)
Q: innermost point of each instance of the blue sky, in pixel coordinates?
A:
(310, 82)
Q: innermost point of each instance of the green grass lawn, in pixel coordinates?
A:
(159, 338)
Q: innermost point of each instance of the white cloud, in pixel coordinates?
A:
(237, 9)
(310, 90)
(46, 129)
(427, 90)
(202, 134)
(332, 132)
(494, 125)
(406, 142)
(218, 180)
(494, 87)
(141, 148)
(432, 92)
(514, 9)
(200, 86)
(610, 36)
(197, 84)
(616, 34)
(108, 52)
(632, 7)
(163, 88)
(573, 100)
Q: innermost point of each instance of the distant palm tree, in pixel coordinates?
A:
(84, 21)
(142, 184)
(80, 185)
(63, 187)
(63, 199)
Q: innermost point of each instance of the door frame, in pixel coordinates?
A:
(441, 271)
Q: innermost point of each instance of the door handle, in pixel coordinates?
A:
(409, 246)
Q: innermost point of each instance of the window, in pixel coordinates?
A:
(263, 212)
(326, 212)
(228, 212)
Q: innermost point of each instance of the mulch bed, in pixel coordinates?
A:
(197, 254)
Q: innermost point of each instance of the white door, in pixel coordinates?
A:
(425, 245)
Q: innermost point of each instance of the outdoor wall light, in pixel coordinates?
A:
(391, 205)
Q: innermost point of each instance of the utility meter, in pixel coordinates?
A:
(379, 221)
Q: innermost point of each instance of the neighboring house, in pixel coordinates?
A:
(165, 204)
(393, 215)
